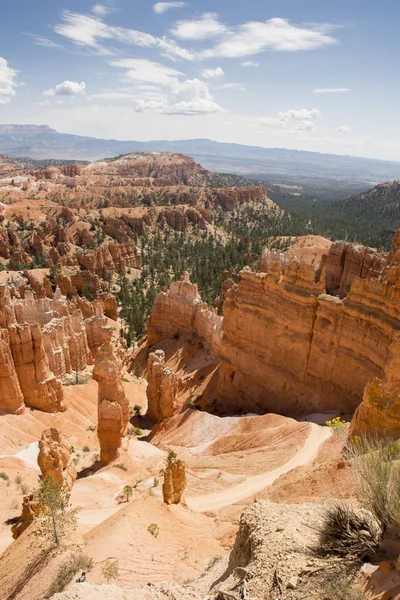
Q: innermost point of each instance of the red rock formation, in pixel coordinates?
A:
(180, 310)
(162, 388)
(113, 406)
(54, 458)
(30, 509)
(39, 386)
(345, 262)
(378, 415)
(174, 482)
(11, 398)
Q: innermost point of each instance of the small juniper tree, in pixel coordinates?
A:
(56, 516)
(110, 570)
(128, 491)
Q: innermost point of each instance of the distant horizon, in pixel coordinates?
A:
(165, 140)
(310, 76)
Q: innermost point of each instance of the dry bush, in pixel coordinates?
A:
(377, 479)
(69, 568)
(347, 532)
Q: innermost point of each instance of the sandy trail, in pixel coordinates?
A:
(253, 485)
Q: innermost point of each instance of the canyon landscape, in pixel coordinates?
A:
(187, 382)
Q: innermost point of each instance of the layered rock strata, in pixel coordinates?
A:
(38, 384)
(113, 404)
(287, 346)
(378, 415)
(54, 458)
(181, 310)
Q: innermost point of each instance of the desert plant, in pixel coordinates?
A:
(138, 431)
(189, 401)
(57, 516)
(377, 479)
(85, 449)
(153, 529)
(4, 476)
(120, 466)
(337, 589)
(337, 426)
(110, 570)
(155, 482)
(137, 410)
(68, 569)
(128, 491)
(347, 532)
(171, 456)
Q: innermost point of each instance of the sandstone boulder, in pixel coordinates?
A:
(378, 415)
(30, 509)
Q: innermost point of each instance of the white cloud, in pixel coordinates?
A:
(100, 10)
(300, 114)
(250, 63)
(343, 129)
(235, 86)
(278, 34)
(7, 81)
(306, 116)
(189, 97)
(213, 73)
(147, 71)
(86, 30)
(67, 88)
(162, 7)
(306, 126)
(204, 28)
(331, 90)
(43, 41)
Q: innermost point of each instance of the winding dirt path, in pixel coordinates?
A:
(253, 485)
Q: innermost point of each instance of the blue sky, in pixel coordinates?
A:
(313, 75)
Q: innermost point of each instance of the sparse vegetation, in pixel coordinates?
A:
(337, 426)
(128, 491)
(155, 482)
(110, 570)
(137, 410)
(153, 529)
(68, 569)
(121, 466)
(58, 517)
(171, 456)
(4, 476)
(138, 432)
(347, 532)
(85, 449)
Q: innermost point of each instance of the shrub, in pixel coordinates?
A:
(171, 456)
(346, 532)
(4, 476)
(138, 431)
(153, 529)
(120, 466)
(377, 479)
(155, 482)
(189, 401)
(85, 449)
(137, 410)
(337, 426)
(68, 569)
(110, 570)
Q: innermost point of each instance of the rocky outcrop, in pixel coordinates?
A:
(54, 458)
(113, 404)
(112, 257)
(181, 310)
(162, 388)
(345, 262)
(97, 332)
(11, 398)
(174, 482)
(30, 510)
(38, 384)
(378, 415)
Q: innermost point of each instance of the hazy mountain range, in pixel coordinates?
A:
(278, 165)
